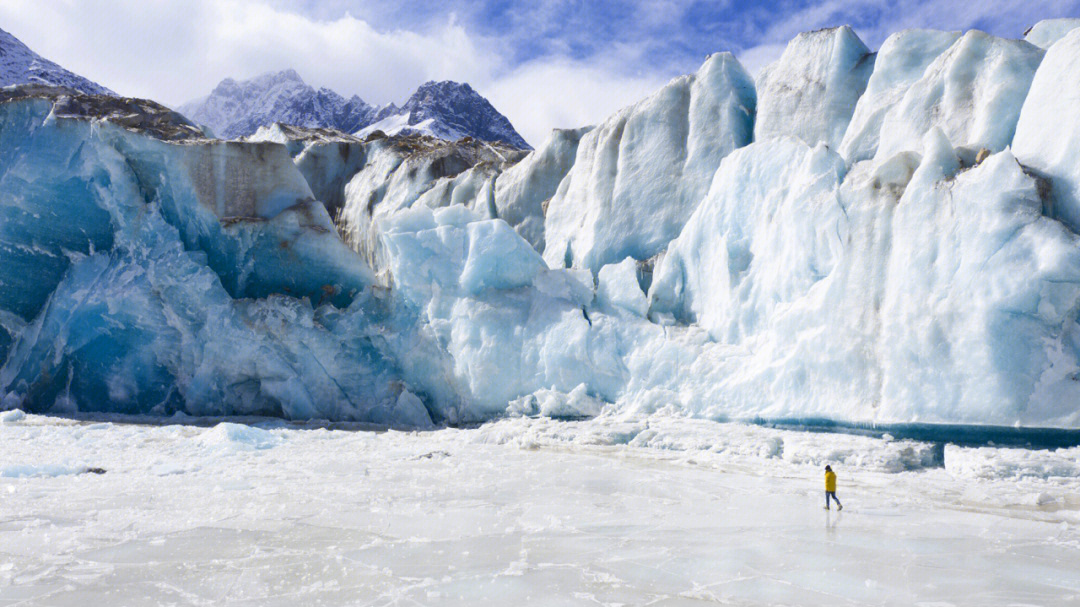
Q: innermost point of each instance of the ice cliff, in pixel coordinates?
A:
(858, 236)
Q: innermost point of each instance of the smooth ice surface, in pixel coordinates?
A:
(901, 61)
(663, 511)
(1048, 31)
(1048, 132)
(811, 91)
(639, 175)
(973, 92)
(618, 288)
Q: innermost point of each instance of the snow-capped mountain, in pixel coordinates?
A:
(237, 109)
(447, 110)
(20, 65)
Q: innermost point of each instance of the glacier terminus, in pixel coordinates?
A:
(851, 236)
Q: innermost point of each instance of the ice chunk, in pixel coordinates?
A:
(551, 403)
(39, 470)
(498, 258)
(998, 463)
(618, 288)
(509, 326)
(811, 91)
(1048, 132)
(638, 176)
(973, 92)
(567, 283)
(1048, 31)
(901, 61)
(12, 417)
(239, 436)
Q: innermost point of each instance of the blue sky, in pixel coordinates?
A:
(544, 63)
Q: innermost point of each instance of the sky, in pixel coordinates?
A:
(542, 63)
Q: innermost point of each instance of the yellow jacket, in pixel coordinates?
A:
(830, 481)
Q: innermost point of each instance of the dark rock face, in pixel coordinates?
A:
(460, 109)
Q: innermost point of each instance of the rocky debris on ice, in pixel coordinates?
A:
(138, 115)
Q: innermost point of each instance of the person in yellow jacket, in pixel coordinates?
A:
(830, 488)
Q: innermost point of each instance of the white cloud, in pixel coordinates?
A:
(177, 50)
(174, 50)
(542, 95)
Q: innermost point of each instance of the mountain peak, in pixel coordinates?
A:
(20, 65)
(445, 109)
(237, 109)
(459, 111)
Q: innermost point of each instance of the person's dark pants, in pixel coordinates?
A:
(832, 494)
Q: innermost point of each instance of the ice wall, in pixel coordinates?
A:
(909, 291)
(973, 92)
(524, 191)
(1045, 33)
(810, 92)
(1048, 131)
(639, 175)
(155, 276)
(901, 62)
(903, 253)
(399, 172)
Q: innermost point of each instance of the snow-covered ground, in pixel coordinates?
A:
(662, 511)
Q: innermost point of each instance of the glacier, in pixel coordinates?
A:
(865, 237)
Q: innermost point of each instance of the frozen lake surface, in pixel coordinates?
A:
(665, 511)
